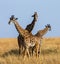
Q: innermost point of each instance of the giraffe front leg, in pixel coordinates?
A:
(19, 51)
(37, 53)
(24, 53)
(19, 44)
(28, 53)
(37, 50)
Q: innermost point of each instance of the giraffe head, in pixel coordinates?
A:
(48, 26)
(12, 19)
(35, 16)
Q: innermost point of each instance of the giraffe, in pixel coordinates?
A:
(29, 39)
(41, 33)
(29, 28)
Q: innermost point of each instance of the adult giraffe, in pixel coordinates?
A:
(29, 39)
(29, 28)
(40, 34)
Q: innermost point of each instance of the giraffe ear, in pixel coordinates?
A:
(32, 15)
(16, 19)
(45, 26)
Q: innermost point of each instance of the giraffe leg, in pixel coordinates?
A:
(24, 53)
(28, 52)
(19, 44)
(37, 52)
(19, 51)
(33, 50)
(37, 49)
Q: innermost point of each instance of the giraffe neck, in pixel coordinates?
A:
(33, 23)
(31, 26)
(40, 33)
(20, 29)
(44, 31)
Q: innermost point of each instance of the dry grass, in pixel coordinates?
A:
(50, 52)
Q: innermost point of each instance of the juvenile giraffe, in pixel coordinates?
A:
(29, 28)
(29, 39)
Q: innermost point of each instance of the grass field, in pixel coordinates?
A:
(50, 52)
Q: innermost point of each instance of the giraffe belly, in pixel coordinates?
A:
(31, 44)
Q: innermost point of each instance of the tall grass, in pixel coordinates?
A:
(50, 52)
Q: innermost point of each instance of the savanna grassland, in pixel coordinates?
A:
(50, 52)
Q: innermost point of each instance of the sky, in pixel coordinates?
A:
(48, 13)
